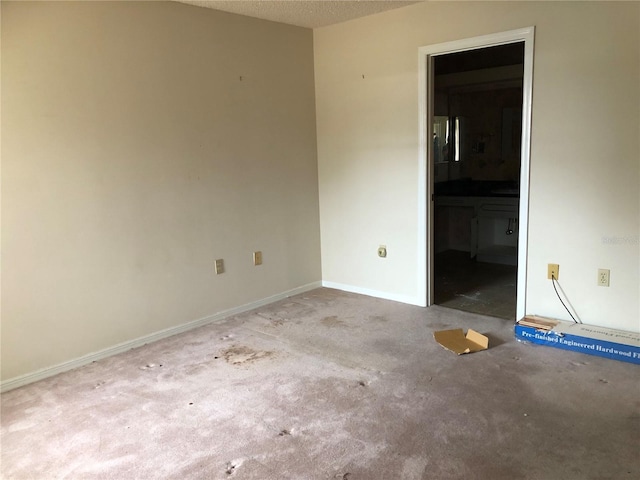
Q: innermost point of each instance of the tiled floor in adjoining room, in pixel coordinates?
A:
(464, 284)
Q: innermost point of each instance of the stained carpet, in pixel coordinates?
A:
(329, 385)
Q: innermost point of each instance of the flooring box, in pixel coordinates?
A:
(578, 337)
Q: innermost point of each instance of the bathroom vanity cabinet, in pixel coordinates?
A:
(485, 226)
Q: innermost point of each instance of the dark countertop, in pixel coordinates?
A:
(476, 188)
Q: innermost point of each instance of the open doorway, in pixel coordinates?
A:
(477, 138)
(476, 102)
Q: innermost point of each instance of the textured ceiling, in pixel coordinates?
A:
(303, 13)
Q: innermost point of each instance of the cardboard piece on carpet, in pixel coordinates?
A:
(458, 343)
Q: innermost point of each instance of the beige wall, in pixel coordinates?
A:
(585, 156)
(133, 156)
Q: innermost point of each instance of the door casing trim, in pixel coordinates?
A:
(426, 164)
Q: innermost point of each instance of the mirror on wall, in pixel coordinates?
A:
(440, 136)
(511, 134)
(448, 138)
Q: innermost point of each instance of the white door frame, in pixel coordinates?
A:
(426, 164)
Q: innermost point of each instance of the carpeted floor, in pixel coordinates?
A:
(330, 385)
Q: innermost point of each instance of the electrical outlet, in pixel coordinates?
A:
(257, 258)
(553, 271)
(219, 266)
(603, 277)
(382, 251)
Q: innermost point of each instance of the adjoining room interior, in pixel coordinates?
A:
(477, 138)
(471, 286)
(193, 201)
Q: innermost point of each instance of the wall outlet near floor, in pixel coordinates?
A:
(603, 277)
(553, 271)
(382, 251)
(219, 266)
(257, 258)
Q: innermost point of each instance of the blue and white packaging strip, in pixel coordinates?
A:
(589, 339)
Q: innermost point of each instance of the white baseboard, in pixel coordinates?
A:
(138, 342)
(374, 293)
